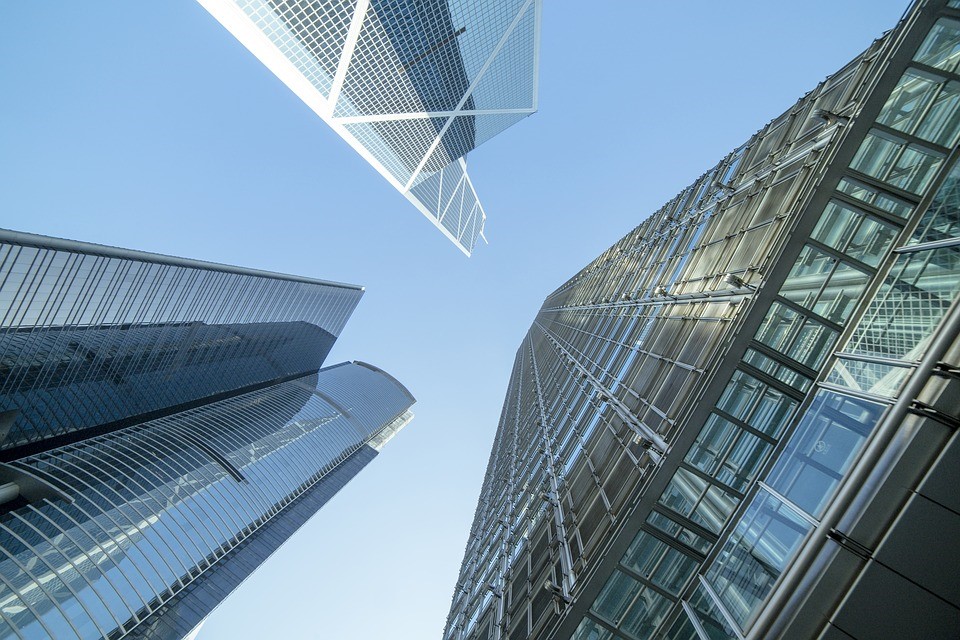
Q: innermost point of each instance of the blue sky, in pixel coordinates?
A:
(146, 125)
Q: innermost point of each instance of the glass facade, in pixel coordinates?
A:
(697, 409)
(413, 86)
(90, 335)
(168, 425)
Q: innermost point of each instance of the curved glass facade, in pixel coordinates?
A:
(151, 507)
(165, 425)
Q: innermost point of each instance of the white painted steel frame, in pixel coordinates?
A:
(233, 18)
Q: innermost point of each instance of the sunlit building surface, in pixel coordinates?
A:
(740, 421)
(411, 85)
(165, 425)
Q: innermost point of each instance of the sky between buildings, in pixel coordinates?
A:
(146, 125)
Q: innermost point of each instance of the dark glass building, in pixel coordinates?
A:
(166, 425)
(740, 421)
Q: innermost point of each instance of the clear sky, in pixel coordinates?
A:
(146, 125)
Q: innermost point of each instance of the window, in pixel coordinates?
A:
(824, 447)
(755, 555)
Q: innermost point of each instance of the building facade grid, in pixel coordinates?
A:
(696, 428)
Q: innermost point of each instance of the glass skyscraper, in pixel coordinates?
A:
(740, 421)
(411, 85)
(165, 425)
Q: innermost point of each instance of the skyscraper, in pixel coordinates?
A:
(166, 425)
(740, 421)
(412, 86)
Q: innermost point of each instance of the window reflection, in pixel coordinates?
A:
(754, 556)
(825, 445)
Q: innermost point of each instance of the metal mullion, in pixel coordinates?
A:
(178, 460)
(107, 558)
(646, 582)
(16, 592)
(860, 357)
(114, 295)
(741, 424)
(911, 140)
(66, 462)
(88, 289)
(136, 444)
(703, 475)
(55, 299)
(80, 485)
(106, 457)
(810, 315)
(943, 74)
(16, 302)
(128, 308)
(68, 276)
(58, 573)
(879, 185)
(136, 475)
(728, 618)
(223, 506)
(192, 283)
(871, 210)
(173, 293)
(803, 515)
(782, 360)
(945, 243)
(854, 393)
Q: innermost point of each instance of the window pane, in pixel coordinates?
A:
(646, 614)
(874, 197)
(914, 170)
(779, 371)
(713, 443)
(942, 122)
(872, 377)
(681, 533)
(908, 307)
(616, 597)
(824, 447)
(942, 219)
(714, 509)
(708, 613)
(757, 552)
(854, 234)
(875, 156)
(842, 293)
(591, 630)
(941, 49)
(908, 101)
(804, 340)
(810, 272)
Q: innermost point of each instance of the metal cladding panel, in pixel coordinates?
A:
(198, 498)
(91, 335)
(413, 86)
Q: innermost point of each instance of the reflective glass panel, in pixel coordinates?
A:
(847, 230)
(941, 220)
(941, 48)
(755, 555)
(908, 307)
(591, 630)
(823, 448)
(872, 196)
(877, 378)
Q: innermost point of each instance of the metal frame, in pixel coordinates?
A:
(472, 216)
